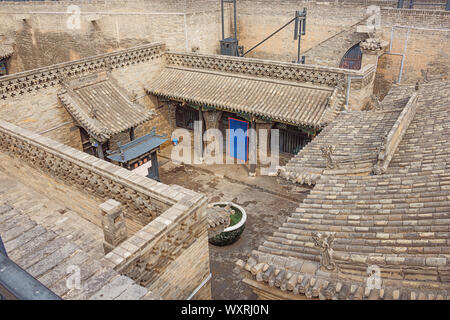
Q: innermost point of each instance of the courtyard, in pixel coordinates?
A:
(266, 202)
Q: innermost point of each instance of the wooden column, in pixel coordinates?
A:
(212, 118)
(132, 136)
(252, 148)
(100, 151)
(155, 165)
(198, 138)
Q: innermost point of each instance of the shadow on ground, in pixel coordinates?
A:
(265, 210)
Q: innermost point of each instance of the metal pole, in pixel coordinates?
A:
(299, 40)
(235, 21)
(223, 24)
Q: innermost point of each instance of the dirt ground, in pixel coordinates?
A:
(265, 213)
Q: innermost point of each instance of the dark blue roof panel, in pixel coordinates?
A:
(136, 148)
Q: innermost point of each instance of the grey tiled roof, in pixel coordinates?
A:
(289, 102)
(356, 137)
(398, 221)
(47, 256)
(101, 106)
(137, 147)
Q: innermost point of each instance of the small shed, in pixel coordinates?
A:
(140, 155)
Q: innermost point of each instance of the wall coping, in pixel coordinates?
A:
(50, 76)
(128, 252)
(304, 73)
(152, 188)
(69, 64)
(364, 71)
(416, 12)
(396, 134)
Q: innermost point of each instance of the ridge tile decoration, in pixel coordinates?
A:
(101, 106)
(397, 222)
(143, 199)
(290, 102)
(34, 80)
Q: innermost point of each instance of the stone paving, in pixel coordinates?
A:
(52, 215)
(266, 212)
(48, 241)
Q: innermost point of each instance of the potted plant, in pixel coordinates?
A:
(237, 220)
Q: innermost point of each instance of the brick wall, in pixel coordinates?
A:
(75, 200)
(169, 255)
(425, 46)
(258, 19)
(44, 38)
(329, 20)
(37, 107)
(395, 135)
(143, 198)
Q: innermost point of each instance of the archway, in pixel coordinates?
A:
(352, 58)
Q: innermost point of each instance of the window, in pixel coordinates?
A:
(292, 140)
(185, 117)
(3, 70)
(352, 58)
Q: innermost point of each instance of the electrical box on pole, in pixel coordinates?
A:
(299, 31)
(230, 46)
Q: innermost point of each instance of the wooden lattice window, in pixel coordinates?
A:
(292, 140)
(185, 117)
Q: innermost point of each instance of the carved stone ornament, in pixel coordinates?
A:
(325, 242)
(327, 151)
(373, 44)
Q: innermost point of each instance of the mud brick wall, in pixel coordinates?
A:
(44, 38)
(41, 112)
(426, 47)
(329, 27)
(258, 19)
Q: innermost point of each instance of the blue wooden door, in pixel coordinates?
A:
(238, 143)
